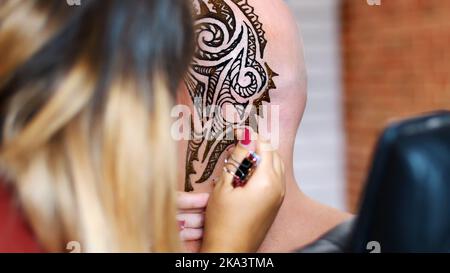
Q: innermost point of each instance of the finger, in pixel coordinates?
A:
(181, 225)
(277, 164)
(191, 234)
(265, 150)
(190, 200)
(192, 246)
(226, 181)
(247, 138)
(283, 167)
(232, 164)
(192, 220)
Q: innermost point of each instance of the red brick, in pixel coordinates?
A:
(396, 64)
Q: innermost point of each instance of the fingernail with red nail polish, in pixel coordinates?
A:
(247, 138)
(181, 225)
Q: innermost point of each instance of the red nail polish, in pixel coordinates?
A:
(181, 225)
(247, 138)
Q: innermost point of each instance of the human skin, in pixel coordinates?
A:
(190, 216)
(300, 220)
(245, 212)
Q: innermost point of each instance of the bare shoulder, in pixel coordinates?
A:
(303, 223)
(322, 218)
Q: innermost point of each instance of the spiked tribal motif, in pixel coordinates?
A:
(228, 69)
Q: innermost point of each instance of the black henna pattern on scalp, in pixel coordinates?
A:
(228, 68)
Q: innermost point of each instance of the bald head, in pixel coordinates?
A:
(249, 65)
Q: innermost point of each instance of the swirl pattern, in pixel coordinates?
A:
(228, 69)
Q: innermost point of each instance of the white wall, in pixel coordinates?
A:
(319, 153)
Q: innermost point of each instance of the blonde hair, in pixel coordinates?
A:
(87, 147)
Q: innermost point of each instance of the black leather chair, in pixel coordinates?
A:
(406, 204)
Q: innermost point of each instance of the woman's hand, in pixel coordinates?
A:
(238, 219)
(190, 217)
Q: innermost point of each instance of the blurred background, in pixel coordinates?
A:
(367, 66)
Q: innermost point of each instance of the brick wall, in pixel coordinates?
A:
(396, 63)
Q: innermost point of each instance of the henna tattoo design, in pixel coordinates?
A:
(228, 69)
